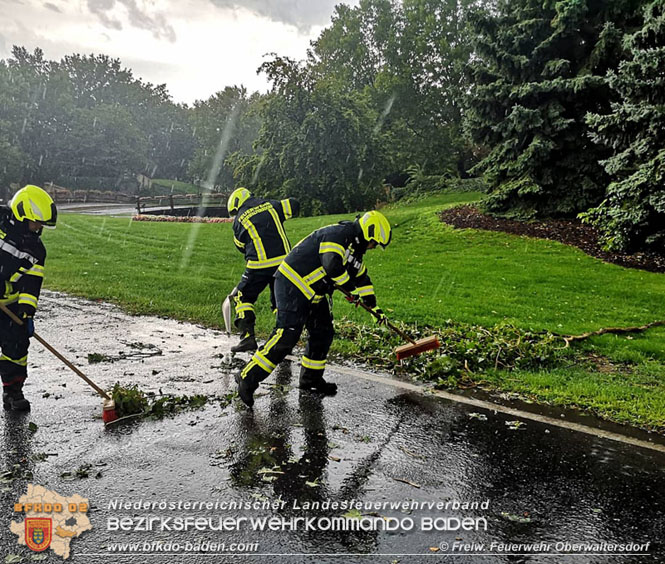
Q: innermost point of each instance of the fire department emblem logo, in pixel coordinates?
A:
(38, 533)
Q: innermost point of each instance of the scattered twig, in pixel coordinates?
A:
(407, 482)
(614, 330)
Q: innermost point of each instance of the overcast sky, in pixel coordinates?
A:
(196, 47)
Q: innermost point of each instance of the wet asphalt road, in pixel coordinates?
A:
(532, 483)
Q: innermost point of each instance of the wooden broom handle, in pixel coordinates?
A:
(362, 304)
(15, 319)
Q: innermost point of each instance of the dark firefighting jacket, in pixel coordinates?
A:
(258, 230)
(330, 256)
(22, 258)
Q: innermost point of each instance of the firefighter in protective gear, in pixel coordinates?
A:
(258, 233)
(22, 257)
(329, 257)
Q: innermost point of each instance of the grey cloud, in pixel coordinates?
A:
(156, 24)
(99, 8)
(52, 7)
(302, 14)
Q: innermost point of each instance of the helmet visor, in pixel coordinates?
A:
(50, 223)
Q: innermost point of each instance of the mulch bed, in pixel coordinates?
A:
(567, 231)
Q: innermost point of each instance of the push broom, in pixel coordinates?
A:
(109, 412)
(405, 351)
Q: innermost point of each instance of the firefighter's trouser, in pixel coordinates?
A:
(14, 343)
(252, 283)
(294, 313)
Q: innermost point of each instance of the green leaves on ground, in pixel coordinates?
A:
(464, 349)
(130, 400)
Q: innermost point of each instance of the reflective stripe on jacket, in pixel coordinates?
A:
(22, 258)
(330, 256)
(258, 231)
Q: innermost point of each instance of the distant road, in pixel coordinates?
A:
(97, 208)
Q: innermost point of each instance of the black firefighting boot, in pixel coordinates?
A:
(13, 400)
(246, 387)
(247, 340)
(247, 343)
(313, 380)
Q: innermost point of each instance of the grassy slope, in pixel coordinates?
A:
(430, 273)
(165, 185)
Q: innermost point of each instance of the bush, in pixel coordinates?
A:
(420, 186)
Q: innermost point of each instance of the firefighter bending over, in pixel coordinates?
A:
(258, 233)
(304, 283)
(22, 257)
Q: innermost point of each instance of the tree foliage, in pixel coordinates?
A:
(633, 212)
(539, 70)
(226, 124)
(87, 122)
(317, 142)
(409, 58)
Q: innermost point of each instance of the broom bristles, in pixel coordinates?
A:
(109, 412)
(419, 347)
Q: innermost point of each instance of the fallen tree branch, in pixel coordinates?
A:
(614, 330)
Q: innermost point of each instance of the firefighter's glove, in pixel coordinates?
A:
(29, 324)
(380, 317)
(353, 299)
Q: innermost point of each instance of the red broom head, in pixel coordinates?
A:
(419, 347)
(109, 413)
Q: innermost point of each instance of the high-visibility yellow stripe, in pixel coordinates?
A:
(313, 364)
(254, 235)
(20, 361)
(286, 208)
(238, 243)
(272, 341)
(342, 278)
(297, 280)
(36, 270)
(16, 276)
(362, 270)
(244, 307)
(330, 247)
(315, 275)
(27, 299)
(247, 368)
(263, 362)
(365, 290)
(268, 263)
(8, 295)
(280, 228)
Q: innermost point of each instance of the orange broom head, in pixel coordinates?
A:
(420, 346)
(109, 413)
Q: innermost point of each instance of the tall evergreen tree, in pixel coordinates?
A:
(540, 70)
(633, 214)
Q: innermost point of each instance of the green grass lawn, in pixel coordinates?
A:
(430, 273)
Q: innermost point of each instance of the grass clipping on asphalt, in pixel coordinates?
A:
(131, 400)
